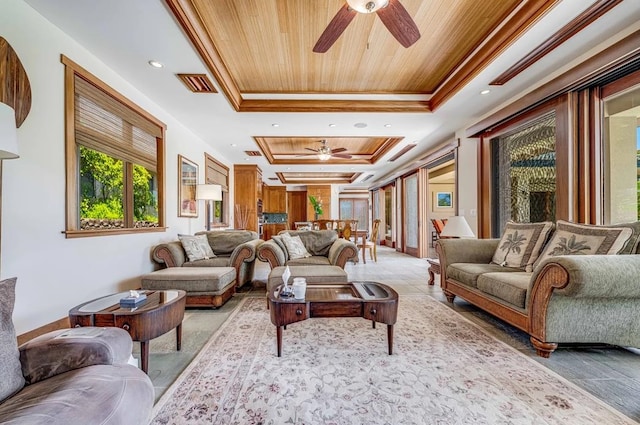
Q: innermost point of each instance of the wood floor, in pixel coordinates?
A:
(612, 374)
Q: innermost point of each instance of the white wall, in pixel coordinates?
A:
(55, 273)
(467, 180)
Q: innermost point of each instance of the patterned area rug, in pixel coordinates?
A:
(444, 370)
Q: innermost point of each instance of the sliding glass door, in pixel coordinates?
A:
(621, 147)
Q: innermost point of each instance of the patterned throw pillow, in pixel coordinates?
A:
(295, 247)
(197, 247)
(10, 369)
(585, 239)
(521, 244)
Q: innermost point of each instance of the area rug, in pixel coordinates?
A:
(444, 370)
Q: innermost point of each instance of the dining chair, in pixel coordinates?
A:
(346, 230)
(371, 243)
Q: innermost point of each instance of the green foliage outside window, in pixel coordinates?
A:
(102, 188)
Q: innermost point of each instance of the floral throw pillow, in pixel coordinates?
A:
(197, 247)
(521, 244)
(585, 239)
(295, 247)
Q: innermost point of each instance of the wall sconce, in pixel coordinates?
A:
(8, 133)
(208, 193)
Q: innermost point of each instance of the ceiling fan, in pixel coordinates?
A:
(325, 153)
(391, 12)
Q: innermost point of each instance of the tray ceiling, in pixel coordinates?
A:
(261, 51)
(296, 150)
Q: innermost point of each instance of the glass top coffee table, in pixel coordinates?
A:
(158, 314)
(371, 300)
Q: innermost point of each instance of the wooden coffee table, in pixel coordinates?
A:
(161, 312)
(370, 300)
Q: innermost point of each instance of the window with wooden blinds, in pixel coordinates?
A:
(218, 173)
(102, 123)
(114, 159)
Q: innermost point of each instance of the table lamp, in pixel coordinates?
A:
(208, 193)
(457, 227)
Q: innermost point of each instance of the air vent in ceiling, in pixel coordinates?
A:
(367, 178)
(198, 83)
(402, 152)
(273, 178)
(253, 153)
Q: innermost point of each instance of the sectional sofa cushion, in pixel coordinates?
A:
(467, 273)
(509, 287)
(10, 369)
(584, 239)
(521, 244)
(197, 247)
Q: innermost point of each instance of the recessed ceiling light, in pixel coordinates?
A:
(275, 125)
(387, 125)
(332, 125)
(360, 125)
(247, 159)
(233, 145)
(486, 91)
(155, 64)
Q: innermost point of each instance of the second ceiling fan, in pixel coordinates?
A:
(391, 12)
(324, 152)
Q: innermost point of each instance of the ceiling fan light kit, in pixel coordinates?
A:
(367, 6)
(325, 153)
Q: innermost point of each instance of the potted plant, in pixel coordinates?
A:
(317, 206)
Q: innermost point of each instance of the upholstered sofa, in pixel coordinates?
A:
(563, 298)
(324, 247)
(232, 248)
(62, 378)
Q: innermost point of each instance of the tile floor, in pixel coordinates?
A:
(610, 373)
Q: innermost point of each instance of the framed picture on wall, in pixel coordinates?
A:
(443, 200)
(187, 181)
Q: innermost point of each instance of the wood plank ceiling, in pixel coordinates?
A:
(260, 53)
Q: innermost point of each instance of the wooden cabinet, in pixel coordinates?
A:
(247, 193)
(274, 199)
(296, 207)
(322, 193)
(272, 229)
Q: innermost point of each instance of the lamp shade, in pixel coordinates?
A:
(8, 133)
(212, 192)
(457, 227)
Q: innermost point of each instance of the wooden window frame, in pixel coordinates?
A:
(72, 192)
(215, 171)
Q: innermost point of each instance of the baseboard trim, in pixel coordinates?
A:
(53, 326)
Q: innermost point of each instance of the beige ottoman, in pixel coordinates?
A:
(205, 286)
(313, 274)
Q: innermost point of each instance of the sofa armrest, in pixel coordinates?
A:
(591, 276)
(245, 253)
(170, 254)
(270, 252)
(341, 251)
(60, 351)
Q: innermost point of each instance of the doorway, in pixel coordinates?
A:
(442, 201)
